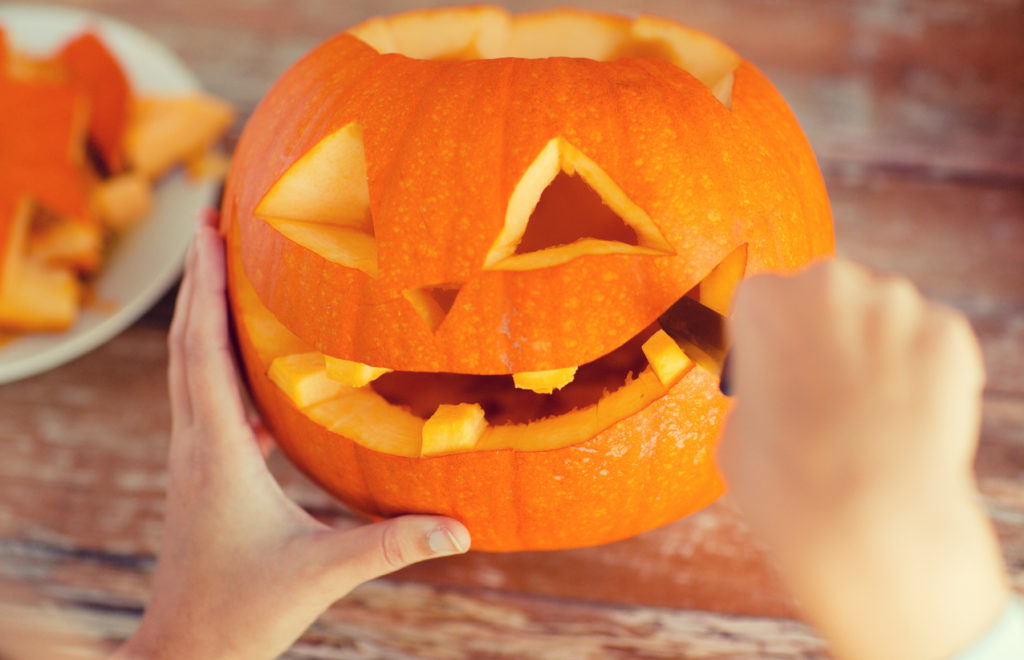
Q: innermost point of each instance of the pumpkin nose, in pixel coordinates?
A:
(564, 207)
(433, 302)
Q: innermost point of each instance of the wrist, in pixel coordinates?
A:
(921, 582)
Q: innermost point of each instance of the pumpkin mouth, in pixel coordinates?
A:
(419, 414)
(479, 33)
(504, 403)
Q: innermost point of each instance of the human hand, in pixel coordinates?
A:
(849, 453)
(243, 570)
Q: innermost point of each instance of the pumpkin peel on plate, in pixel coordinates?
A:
(67, 188)
(457, 201)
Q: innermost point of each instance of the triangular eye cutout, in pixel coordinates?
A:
(433, 302)
(322, 201)
(566, 207)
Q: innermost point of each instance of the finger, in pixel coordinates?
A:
(181, 408)
(212, 380)
(358, 555)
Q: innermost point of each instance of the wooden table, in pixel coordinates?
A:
(916, 111)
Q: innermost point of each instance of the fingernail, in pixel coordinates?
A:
(443, 542)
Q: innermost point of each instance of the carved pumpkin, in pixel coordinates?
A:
(451, 233)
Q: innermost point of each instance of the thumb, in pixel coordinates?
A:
(364, 553)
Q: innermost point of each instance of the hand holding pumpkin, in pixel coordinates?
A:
(243, 571)
(849, 452)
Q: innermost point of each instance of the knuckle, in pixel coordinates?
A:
(391, 551)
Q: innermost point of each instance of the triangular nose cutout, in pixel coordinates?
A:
(564, 207)
(433, 302)
(568, 211)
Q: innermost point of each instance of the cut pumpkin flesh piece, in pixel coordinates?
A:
(62, 242)
(303, 378)
(352, 374)
(163, 131)
(33, 297)
(40, 299)
(544, 382)
(122, 201)
(490, 32)
(666, 357)
(453, 428)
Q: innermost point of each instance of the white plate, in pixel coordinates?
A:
(147, 260)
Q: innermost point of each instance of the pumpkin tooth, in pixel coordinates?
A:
(544, 382)
(453, 428)
(303, 378)
(353, 374)
(667, 359)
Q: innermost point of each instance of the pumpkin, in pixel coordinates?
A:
(450, 235)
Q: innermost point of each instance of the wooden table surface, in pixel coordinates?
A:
(916, 111)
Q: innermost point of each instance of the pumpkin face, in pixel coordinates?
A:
(451, 234)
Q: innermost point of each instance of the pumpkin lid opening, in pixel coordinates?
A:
(472, 33)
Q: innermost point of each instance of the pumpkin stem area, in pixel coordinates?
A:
(473, 33)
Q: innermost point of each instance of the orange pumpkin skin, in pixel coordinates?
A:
(643, 472)
(445, 144)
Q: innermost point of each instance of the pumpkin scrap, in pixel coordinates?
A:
(92, 68)
(493, 211)
(64, 186)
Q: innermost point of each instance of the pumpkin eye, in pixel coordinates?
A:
(322, 202)
(564, 207)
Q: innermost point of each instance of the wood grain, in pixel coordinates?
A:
(916, 110)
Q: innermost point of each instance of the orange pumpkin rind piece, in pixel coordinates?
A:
(94, 70)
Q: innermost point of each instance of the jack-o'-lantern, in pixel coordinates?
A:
(451, 234)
